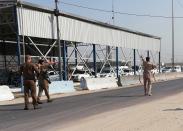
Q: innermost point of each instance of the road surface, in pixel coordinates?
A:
(62, 111)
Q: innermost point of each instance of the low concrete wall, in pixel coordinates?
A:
(111, 82)
(168, 76)
(98, 83)
(131, 80)
(60, 87)
(5, 93)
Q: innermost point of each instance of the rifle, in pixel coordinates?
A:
(46, 77)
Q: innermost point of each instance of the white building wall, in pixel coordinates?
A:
(40, 24)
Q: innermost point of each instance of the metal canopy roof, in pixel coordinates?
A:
(85, 19)
(34, 21)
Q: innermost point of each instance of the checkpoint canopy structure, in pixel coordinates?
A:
(26, 26)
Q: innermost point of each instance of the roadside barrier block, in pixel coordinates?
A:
(130, 80)
(133, 80)
(5, 93)
(60, 87)
(98, 83)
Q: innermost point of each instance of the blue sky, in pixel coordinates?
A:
(155, 26)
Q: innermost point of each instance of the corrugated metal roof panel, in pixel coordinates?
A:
(35, 22)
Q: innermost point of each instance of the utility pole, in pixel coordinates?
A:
(113, 15)
(173, 57)
(58, 39)
(108, 48)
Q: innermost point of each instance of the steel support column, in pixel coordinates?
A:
(117, 62)
(67, 62)
(76, 55)
(64, 61)
(4, 54)
(58, 39)
(173, 38)
(18, 48)
(159, 62)
(94, 60)
(148, 53)
(134, 61)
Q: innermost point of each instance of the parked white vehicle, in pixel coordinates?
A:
(125, 71)
(54, 76)
(167, 69)
(177, 68)
(106, 74)
(77, 76)
(128, 72)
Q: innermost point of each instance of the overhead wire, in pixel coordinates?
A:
(120, 13)
(85, 7)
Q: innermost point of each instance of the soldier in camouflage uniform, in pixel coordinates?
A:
(28, 70)
(43, 80)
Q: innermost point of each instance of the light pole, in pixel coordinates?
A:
(173, 64)
(58, 39)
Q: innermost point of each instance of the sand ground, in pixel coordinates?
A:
(160, 115)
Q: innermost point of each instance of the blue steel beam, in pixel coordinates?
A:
(159, 62)
(18, 48)
(134, 61)
(94, 60)
(76, 55)
(64, 61)
(117, 62)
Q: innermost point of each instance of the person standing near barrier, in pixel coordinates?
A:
(43, 80)
(69, 70)
(29, 70)
(147, 75)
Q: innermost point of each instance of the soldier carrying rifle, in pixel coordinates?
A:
(43, 80)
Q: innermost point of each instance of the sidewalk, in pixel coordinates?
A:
(160, 115)
(20, 99)
(19, 96)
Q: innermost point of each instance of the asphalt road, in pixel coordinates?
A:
(62, 111)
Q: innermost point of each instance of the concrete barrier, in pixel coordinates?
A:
(83, 84)
(168, 76)
(98, 83)
(5, 93)
(131, 80)
(60, 87)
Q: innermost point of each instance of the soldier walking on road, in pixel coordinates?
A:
(147, 75)
(29, 71)
(43, 80)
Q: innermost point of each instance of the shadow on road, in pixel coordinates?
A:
(13, 107)
(123, 96)
(1, 110)
(176, 109)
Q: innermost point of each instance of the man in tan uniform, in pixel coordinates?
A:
(43, 80)
(147, 75)
(28, 70)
